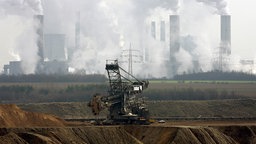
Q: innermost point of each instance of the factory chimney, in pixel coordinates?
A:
(162, 31)
(77, 32)
(174, 43)
(153, 29)
(39, 19)
(225, 34)
(224, 50)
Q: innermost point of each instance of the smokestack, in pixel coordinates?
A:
(174, 34)
(153, 29)
(224, 50)
(77, 38)
(225, 34)
(40, 42)
(40, 32)
(162, 31)
(174, 42)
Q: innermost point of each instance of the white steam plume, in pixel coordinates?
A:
(21, 7)
(221, 6)
(105, 24)
(17, 22)
(184, 60)
(36, 5)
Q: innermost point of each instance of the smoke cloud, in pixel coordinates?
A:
(108, 27)
(18, 31)
(21, 7)
(221, 6)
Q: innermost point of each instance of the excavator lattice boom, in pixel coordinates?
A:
(124, 100)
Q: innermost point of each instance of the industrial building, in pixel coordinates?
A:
(55, 67)
(54, 47)
(13, 68)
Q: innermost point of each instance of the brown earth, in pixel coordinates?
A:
(66, 135)
(21, 127)
(179, 135)
(13, 116)
(130, 135)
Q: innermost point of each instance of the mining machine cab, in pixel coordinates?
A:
(124, 100)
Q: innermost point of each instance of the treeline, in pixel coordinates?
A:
(80, 92)
(217, 75)
(190, 94)
(53, 78)
(213, 75)
(29, 94)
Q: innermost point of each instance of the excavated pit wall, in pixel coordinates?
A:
(130, 135)
(65, 135)
(22, 127)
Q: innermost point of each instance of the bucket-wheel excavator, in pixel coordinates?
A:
(124, 100)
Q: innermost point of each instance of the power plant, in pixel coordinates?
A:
(221, 54)
(53, 53)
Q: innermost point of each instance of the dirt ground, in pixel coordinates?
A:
(12, 116)
(21, 127)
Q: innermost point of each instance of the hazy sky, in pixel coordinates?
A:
(103, 22)
(243, 27)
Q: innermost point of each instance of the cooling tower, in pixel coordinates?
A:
(174, 43)
(162, 31)
(54, 47)
(153, 29)
(77, 32)
(39, 21)
(225, 34)
(222, 61)
(174, 34)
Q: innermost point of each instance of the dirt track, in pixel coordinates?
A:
(21, 127)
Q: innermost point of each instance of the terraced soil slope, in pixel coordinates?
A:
(130, 135)
(64, 135)
(13, 116)
(179, 135)
(21, 127)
